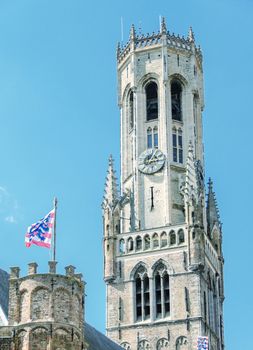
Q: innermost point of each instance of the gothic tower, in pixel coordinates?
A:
(163, 263)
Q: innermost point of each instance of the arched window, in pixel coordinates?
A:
(176, 101)
(162, 292)
(20, 340)
(142, 294)
(62, 306)
(40, 304)
(125, 346)
(180, 236)
(162, 344)
(149, 138)
(143, 345)
(122, 246)
(172, 238)
(151, 101)
(155, 240)
(146, 242)
(131, 109)
(182, 343)
(155, 135)
(39, 339)
(152, 137)
(130, 244)
(138, 243)
(164, 240)
(177, 144)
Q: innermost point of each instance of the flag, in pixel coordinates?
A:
(40, 233)
(202, 343)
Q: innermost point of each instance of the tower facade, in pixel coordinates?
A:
(163, 262)
(46, 311)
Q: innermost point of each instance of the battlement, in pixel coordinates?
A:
(162, 37)
(33, 266)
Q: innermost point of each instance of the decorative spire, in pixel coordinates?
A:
(111, 187)
(190, 188)
(213, 216)
(163, 28)
(132, 33)
(191, 36)
(118, 49)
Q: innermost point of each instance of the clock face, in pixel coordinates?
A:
(151, 161)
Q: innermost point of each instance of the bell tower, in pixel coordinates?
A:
(162, 243)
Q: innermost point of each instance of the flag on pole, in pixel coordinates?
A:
(202, 343)
(40, 233)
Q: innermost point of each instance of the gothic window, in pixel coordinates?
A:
(152, 137)
(122, 246)
(162, 344)
(144, 345)
(131, 109)
(125, 346)
(61, 305)
(180, 236)
(149, 138)
(176, 101)
(151, 101)
(39, 339)
(142, 294)
(205, 307)
(155, 136)
(138, 243)
(177, 145)
(130, 244)
(146, 242)
(155, 240)
(195, 110)
(40, 304)
(162, 292)
(182, 343)
(164, 240)
(172, 238)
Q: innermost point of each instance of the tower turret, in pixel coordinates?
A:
(111, 221)
(46, 311)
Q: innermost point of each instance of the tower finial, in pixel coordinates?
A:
(163, 28)
(191, 36)
(111, 186)
(132, 32)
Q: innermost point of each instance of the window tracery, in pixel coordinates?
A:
(162, 291)
(177, 145)
(162, 344)
(142, 294)
(144, 345)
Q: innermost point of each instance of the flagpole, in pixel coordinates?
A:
(54, 240)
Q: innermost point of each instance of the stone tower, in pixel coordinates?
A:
(46, 311)
(163, 262)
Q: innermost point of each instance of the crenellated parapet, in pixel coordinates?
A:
(155, 39)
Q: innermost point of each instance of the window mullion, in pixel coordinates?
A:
(162, 297)
(142, 300)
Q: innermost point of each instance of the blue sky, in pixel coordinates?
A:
(59, 122)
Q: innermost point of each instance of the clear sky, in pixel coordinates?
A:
(59, 121)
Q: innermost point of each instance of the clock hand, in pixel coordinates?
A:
(151, 159)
